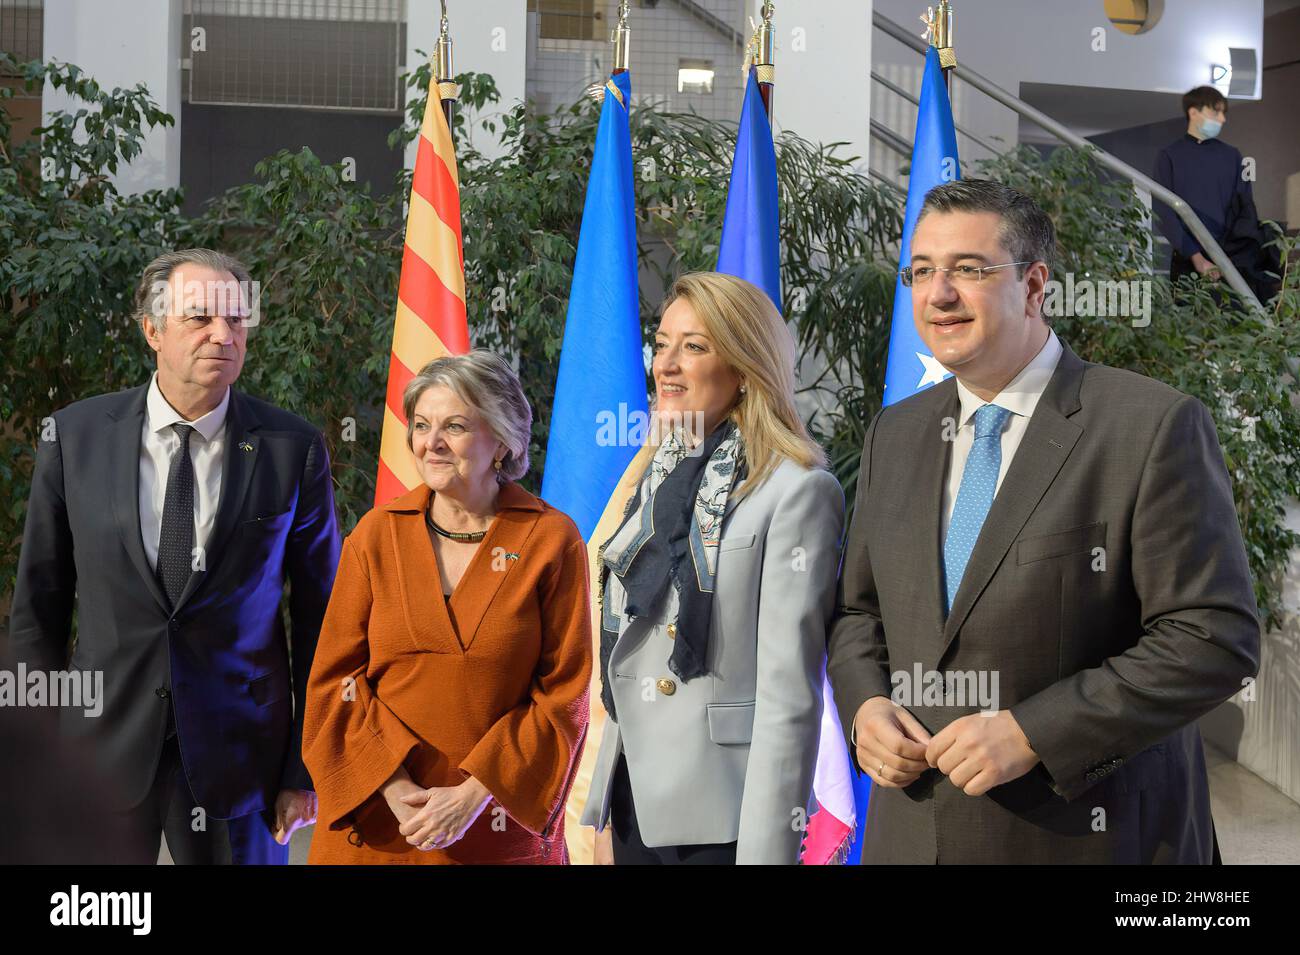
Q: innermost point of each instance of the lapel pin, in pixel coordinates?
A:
(510, 555)
(245, 446)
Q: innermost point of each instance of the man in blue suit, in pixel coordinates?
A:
(169, 517)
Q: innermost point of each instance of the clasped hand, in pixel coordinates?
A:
(975, 752)
(439, 817)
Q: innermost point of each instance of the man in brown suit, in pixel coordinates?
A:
(1044, 583)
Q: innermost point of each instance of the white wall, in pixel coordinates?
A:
(1051, 41)
(823, 52)
(123, 43)
(822, 56)
(559, 70)
(488, 36)
(1262, 732)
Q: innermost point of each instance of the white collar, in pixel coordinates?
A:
(1021, 395)
(160, 415)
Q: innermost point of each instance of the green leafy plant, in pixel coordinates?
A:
(327, 253)
(1204, 341)
(71, 250)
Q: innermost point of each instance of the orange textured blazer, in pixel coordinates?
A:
(491, 683)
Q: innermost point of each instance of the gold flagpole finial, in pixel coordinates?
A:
(762, 44)
(443, 70)
(622, 40)
(939, 31)
(621, 37)
(765, 41)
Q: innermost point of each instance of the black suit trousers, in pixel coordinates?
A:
(169, 811)
(630, 850)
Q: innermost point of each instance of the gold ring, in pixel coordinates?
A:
(881, 770)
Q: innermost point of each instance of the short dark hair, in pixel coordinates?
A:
(1027, 230)
(1203, 97)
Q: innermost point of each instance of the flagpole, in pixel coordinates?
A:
(443, 72)
(939, 31)
(585, 476)
(763, 46)
(622, 40)
(430, 318)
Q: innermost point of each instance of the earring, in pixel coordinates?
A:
(497, 465)
(742, 389)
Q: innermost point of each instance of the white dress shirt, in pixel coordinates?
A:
(207, 448)
(1020, 397)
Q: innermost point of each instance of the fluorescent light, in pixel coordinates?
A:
(694, 80)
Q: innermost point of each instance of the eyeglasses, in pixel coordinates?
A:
(966, 274)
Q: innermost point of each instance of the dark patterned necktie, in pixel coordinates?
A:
(176, 543)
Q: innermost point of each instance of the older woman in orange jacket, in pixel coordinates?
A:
(447, 705)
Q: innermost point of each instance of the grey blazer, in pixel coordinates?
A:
(1108, 590)
(729, 756)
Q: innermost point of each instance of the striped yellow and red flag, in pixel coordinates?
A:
(430, 318)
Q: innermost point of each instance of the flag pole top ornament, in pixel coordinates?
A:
(762, 43)
(621, 37)
(448, 89)
(939, 31)
(622, 40)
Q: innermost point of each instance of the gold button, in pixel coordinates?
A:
(667, 687)
(672, 631)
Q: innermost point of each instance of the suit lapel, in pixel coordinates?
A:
(127, 435)
(421, 592)
(1048, 440)
(237, 465)
(926, 503)
(498, 554)
(417, 574)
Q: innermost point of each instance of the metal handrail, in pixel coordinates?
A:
(881, 177)
(915, 101)
(890, 138)
(1142, 181)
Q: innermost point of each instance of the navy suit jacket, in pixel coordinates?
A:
(220, 657)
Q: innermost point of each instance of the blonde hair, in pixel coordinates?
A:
(752, 338)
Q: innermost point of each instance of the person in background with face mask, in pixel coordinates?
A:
(1208, 174)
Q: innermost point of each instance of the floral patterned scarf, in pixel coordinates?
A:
(670, 532)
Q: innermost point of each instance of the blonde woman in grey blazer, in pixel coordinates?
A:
(715, 596)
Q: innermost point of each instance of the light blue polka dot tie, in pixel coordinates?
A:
(975, 496)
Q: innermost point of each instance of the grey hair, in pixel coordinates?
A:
(1026, 231)
(160, 270)
(488, 384)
